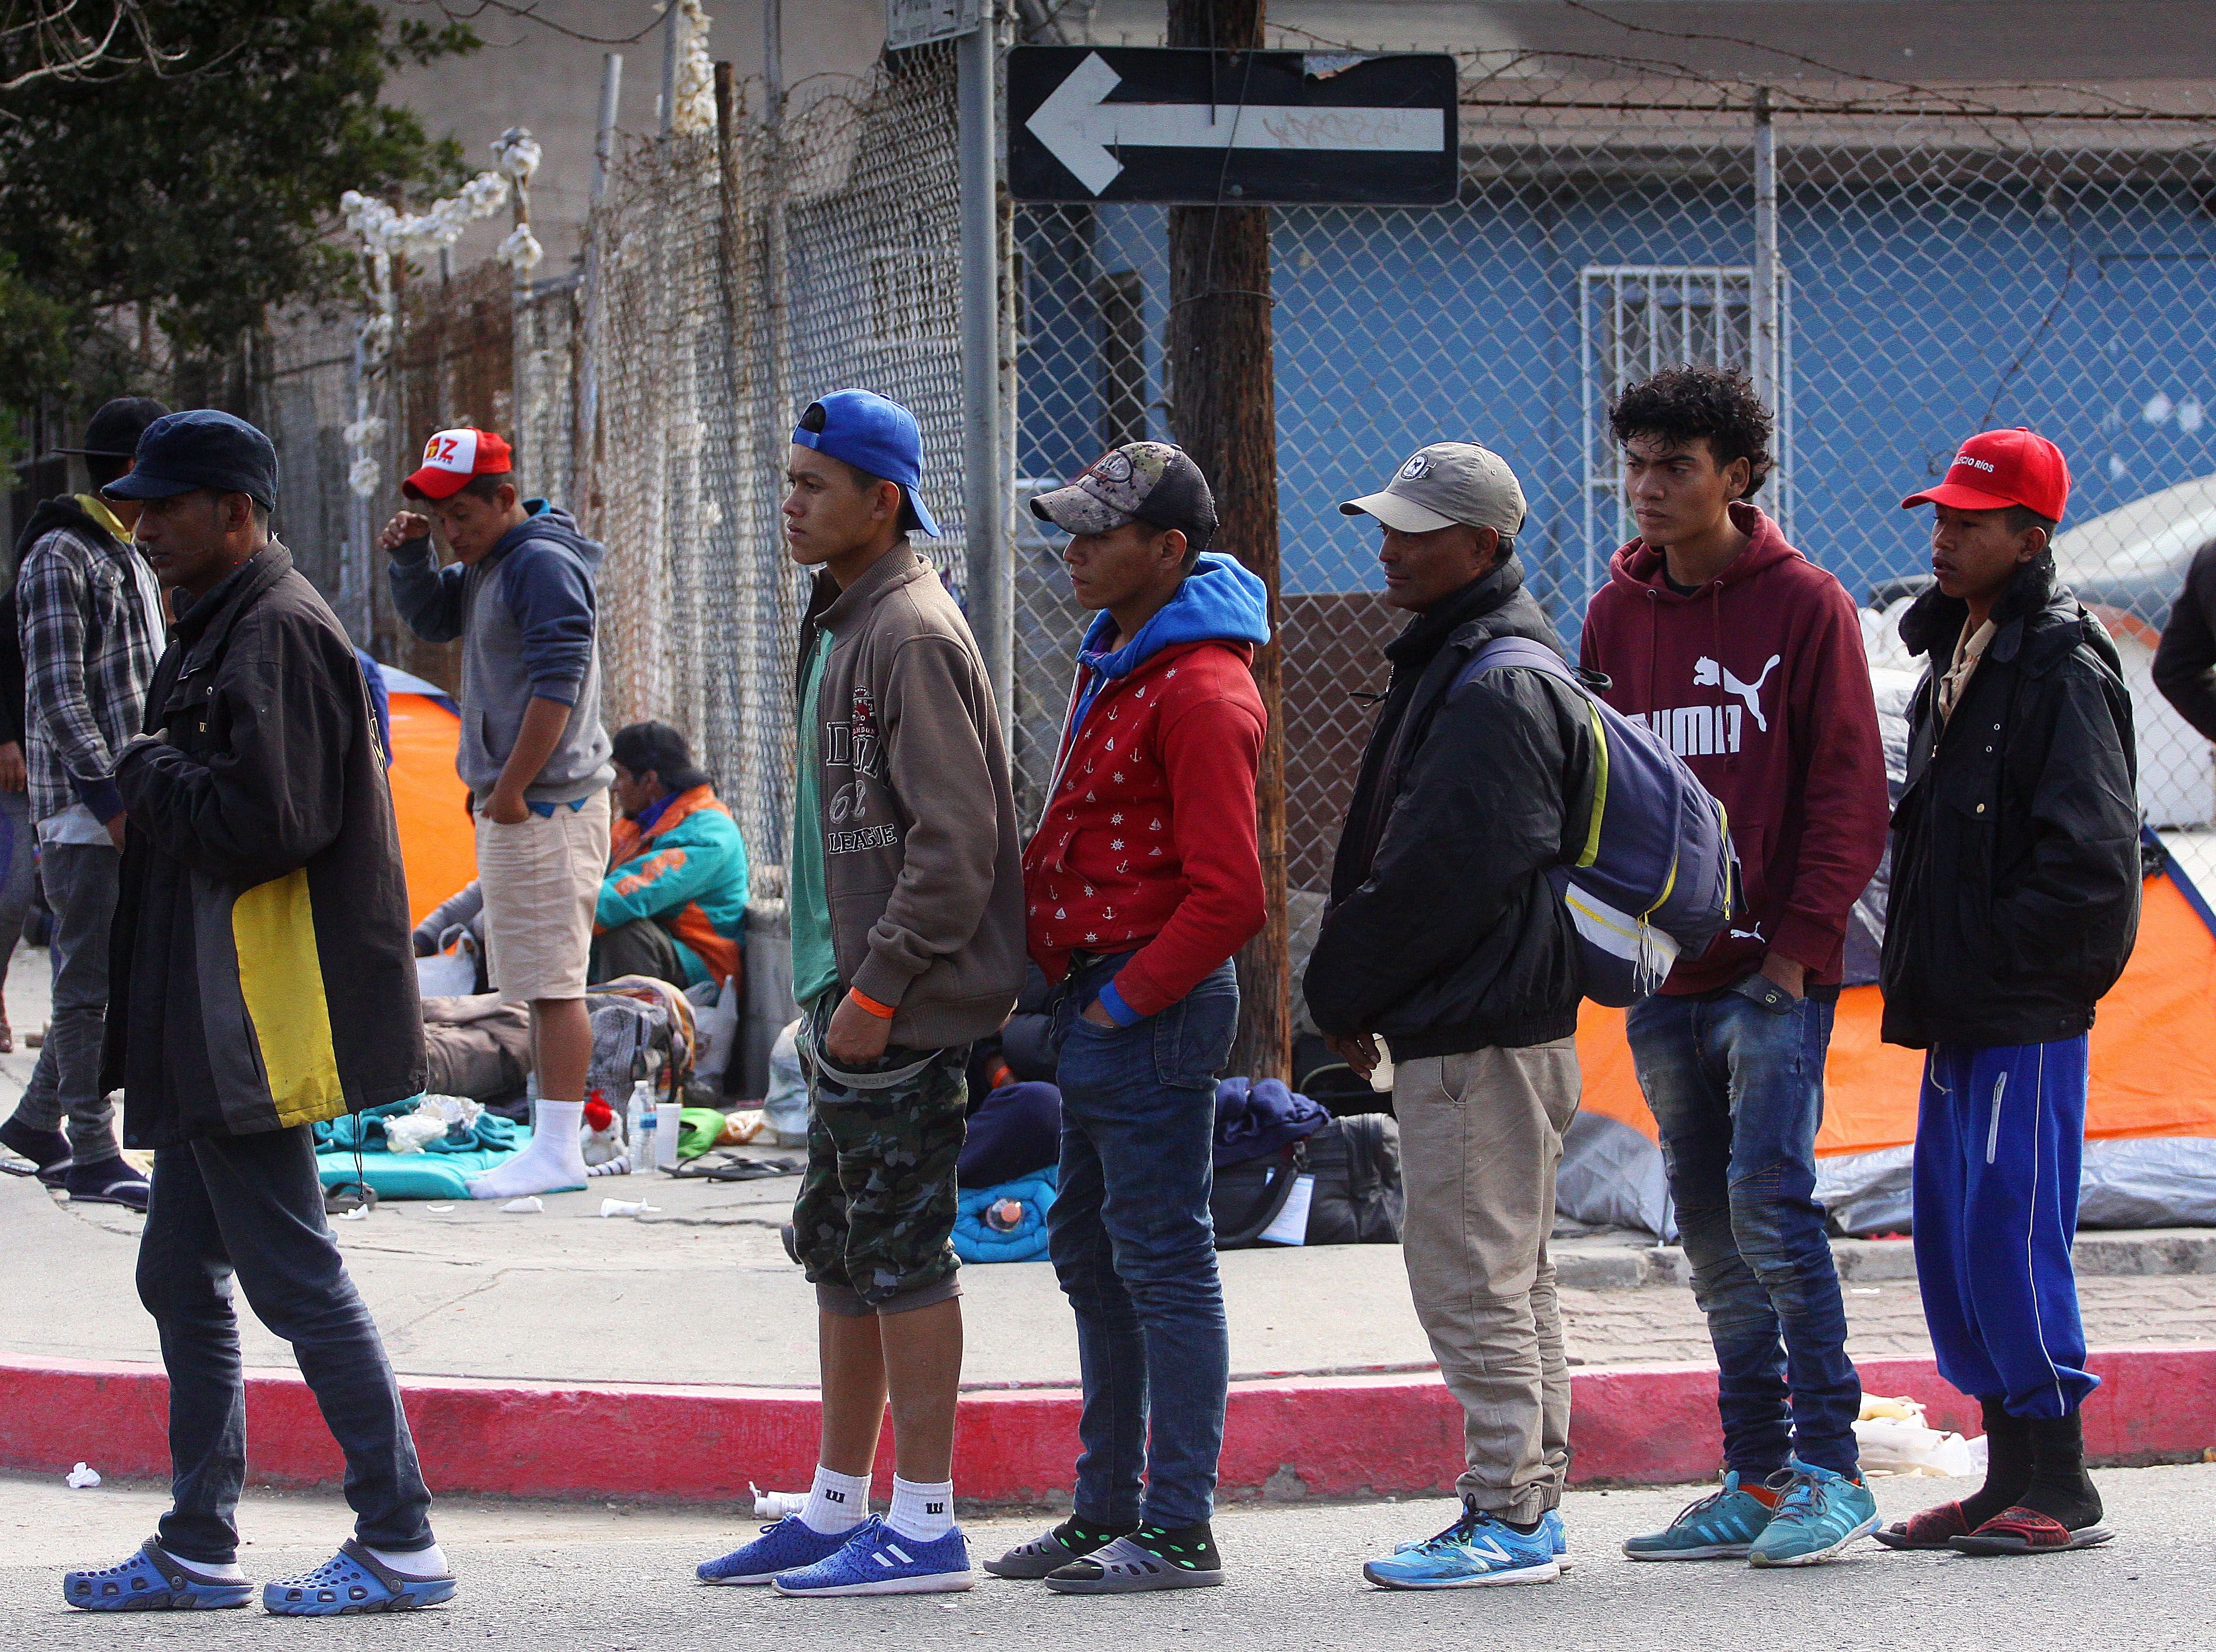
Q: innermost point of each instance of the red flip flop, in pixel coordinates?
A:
(2021, 1531)
(1935, 1528)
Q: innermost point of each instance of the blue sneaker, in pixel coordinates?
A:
(1721, 1526)
(787, 1546)
(352, 1583)
(1820, 1514)
(1560, 1540)
(1476, 1550)
(878, 1560)
(151, 1580)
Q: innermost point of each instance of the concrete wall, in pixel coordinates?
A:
(532, 73)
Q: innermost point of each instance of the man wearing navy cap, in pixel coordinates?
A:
(90, 628)
(263, 982)
(905, 887)
(2015, 904)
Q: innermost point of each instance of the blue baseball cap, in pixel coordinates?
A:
(874, 435)
(202, 448)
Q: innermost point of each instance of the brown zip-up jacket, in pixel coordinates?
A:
(922, 865)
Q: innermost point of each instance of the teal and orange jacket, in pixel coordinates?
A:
(686, 870)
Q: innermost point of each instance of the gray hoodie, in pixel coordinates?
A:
(528, 618)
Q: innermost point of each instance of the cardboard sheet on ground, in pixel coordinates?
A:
(2153, 1051)
(437, 842)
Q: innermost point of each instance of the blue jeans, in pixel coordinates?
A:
(1135, 1248)
(1737, 1089)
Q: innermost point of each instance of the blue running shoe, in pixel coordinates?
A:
(352, 1583)
(1820, 1514)
(878, 1560)
(151, 1580)
(1552, 1526)
(1478, 1548)
(1721, 1526)
(787, 1546)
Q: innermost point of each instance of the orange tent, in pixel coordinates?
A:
(437, 842)
(2153, 1051)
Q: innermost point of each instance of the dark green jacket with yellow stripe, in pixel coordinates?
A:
(262, 975)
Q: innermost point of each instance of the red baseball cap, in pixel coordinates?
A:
(452, 457)
(1996, 469)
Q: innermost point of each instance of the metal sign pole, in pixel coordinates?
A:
(1762, 343)
(991, 573)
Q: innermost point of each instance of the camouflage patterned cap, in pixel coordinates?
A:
(1139, 481)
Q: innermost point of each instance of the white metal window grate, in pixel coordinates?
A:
(1633, 321)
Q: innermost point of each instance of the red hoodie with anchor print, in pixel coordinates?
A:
(1758, 680)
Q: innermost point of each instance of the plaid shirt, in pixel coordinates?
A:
(89, 653)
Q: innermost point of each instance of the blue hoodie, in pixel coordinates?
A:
(1219, 602)
(536, 642)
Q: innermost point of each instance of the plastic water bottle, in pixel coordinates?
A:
(639, 1121)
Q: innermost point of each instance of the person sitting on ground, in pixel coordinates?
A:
(673, 903)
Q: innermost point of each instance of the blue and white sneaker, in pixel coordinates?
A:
(1820, 1514)
(1552, 1526)
(787, 1546)
(1478, 1548)
(878, 1560)
(1721, 1526)
(151, 1580)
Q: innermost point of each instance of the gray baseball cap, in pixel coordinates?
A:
(1445, 483)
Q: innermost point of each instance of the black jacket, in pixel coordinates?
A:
(2185, 663)
(261, 975)
(1443, 934)
(2016, 848)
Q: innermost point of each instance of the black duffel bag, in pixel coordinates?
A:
(1356, 1197)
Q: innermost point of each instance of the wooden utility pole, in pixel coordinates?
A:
(1216, 354)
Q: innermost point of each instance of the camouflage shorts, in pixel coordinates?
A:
(875, 1219)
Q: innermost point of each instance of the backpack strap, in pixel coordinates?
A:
(1510, 651)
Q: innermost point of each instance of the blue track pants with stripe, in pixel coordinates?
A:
(1999, 1136)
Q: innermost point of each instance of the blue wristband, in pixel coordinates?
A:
(1118, 1011)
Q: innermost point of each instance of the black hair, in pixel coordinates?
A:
(641, 746)
(104, 468)
(2021, 519)
(1681, 405)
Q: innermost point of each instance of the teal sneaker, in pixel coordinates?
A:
(1820, 1514)
(1721, 1526)
(1477, 1549)
(1552, 1526)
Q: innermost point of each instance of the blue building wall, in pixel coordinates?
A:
(1916, 315)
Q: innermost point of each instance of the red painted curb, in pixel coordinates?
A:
(1320, 1436)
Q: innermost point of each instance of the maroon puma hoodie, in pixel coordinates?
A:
(1757, 681)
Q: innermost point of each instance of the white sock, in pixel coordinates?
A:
(207, 1572)
(554, 1159)
(921, 1513)
(836, 1502)
(415, 1562)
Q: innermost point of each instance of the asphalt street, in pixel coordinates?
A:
(594, 1578)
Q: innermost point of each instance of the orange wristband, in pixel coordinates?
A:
(870, 1006)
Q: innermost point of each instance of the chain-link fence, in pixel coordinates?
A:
(1938, 272)
(1938, 275)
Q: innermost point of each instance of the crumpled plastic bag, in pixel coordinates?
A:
(1892, 1438)
(82, 1478)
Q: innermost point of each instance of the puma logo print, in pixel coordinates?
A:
(1708, 673)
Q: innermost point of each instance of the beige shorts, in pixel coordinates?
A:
(541, 880)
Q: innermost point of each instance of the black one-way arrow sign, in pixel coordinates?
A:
(1167, 125)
